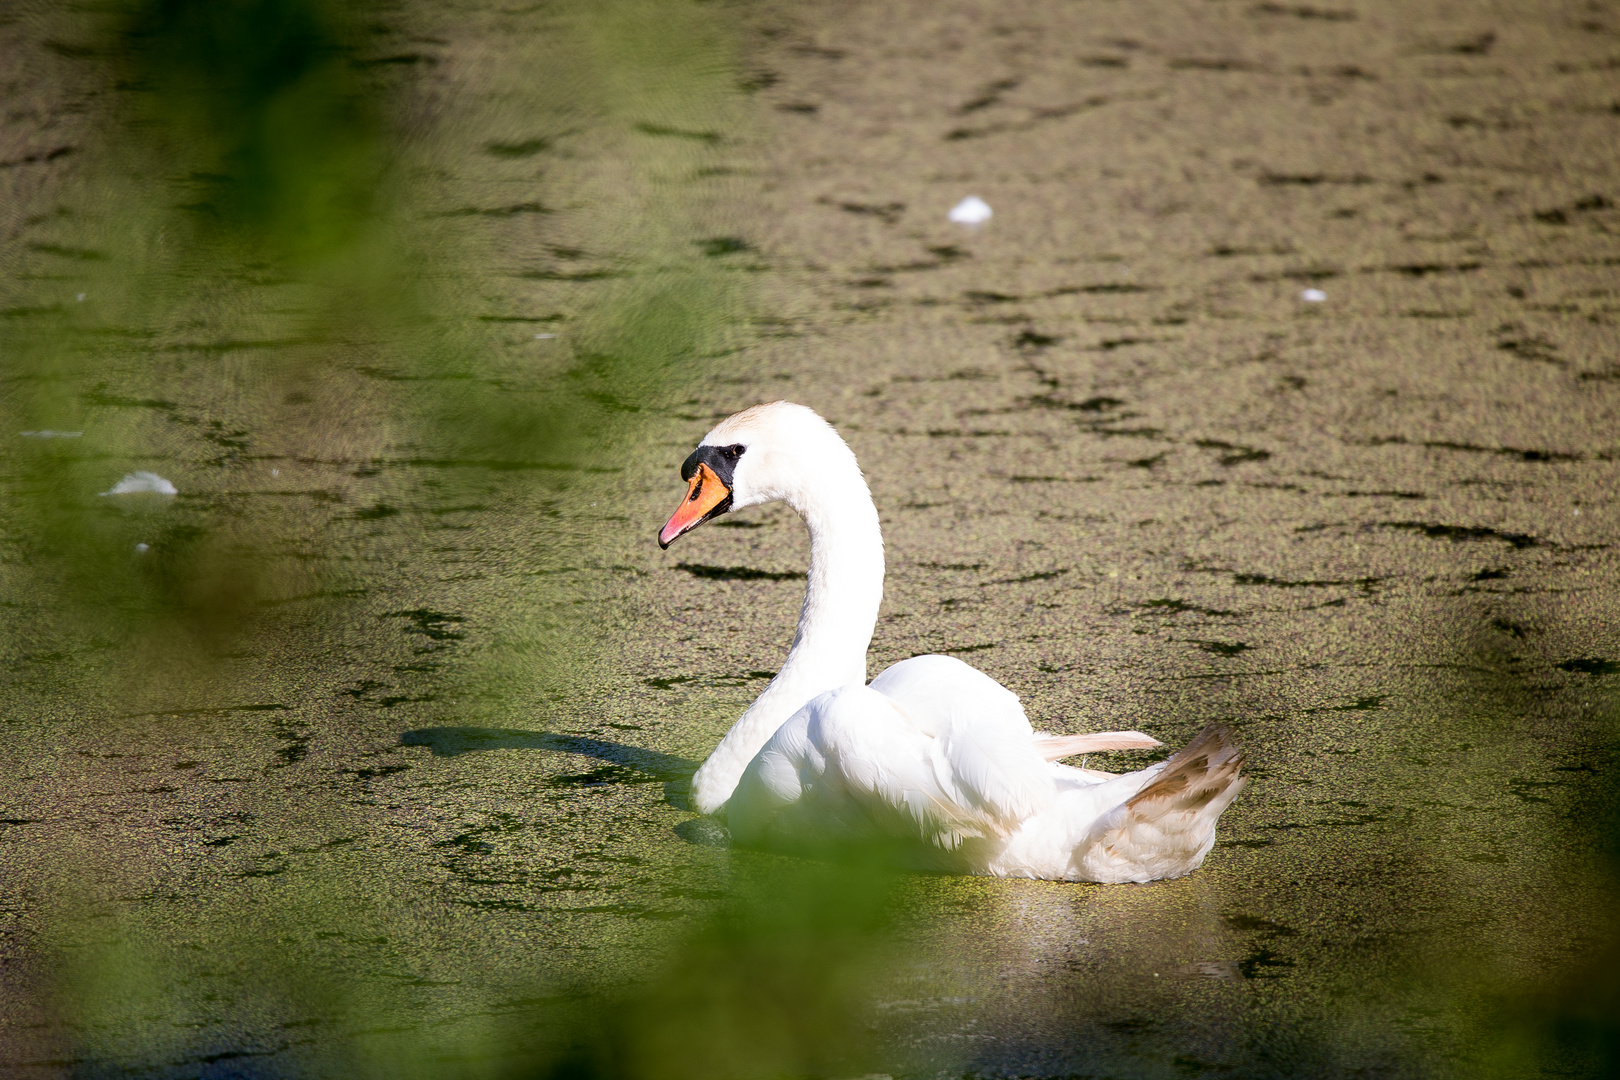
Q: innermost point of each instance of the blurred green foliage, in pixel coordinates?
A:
(262, 105)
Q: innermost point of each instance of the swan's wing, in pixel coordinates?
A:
(935, 689)
(985, 739)
(852, 767)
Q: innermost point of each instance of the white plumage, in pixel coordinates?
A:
(934, 759)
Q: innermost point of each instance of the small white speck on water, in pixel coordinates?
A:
(1313, 296)
(80, 298)
(275, 472)
(143, 548)
(544, 337)
(971, 211)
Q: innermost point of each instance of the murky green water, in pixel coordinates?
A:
(365, 751)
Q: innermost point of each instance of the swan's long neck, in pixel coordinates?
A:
(835, 627)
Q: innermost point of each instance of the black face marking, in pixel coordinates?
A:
(721, 459)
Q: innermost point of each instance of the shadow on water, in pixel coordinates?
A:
(626, 764)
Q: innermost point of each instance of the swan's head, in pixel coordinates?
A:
(774, 451)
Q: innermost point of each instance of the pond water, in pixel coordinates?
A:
(1279, 389)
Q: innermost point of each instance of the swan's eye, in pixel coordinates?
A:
(735, 451)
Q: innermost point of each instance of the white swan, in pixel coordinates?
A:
(933, 756)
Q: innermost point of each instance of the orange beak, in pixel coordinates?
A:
(705, 498)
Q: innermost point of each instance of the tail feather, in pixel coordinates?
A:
(1206, 769)
(1166, 828)
(1053, 747)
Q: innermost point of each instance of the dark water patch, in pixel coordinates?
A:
(433, 625)
(38, 157)
(988, 96)
(738, 573)
(1176, 607)
(1110, 344)
(888, 213)
(952, 565)
(1046, 575)
(1147, 462)
(1233, 454)
(410, 59)
(1223, 648)
(1023, 479)
(1305, 273)
(1090, 405)
(1280, 179)
(1312, 583)
(64, 252)
(663, 131)
(1419, 270)
(511, 210)
(374, 773)
(1107, 288)
(1529, 790)
(1226, 251)
(522, 318)
(1029, 339)
(1244, 843)
(454, 741)
(510, 150)
(1198, 63)
(375, 513)
(1591, 666)
(1264, 963)
(1533, 456)
(485, 905)
(25, 312)
(1491, 574)
(237, 345)
(968, 648)
(739, 524)
(1303, 11)
(20, 821)
(295, 742)
(1130, 433)
(1532, 347)
(1478, 45)
(1036, 118)
(1378, 494)
(716, 246)
(1426, 313)
(572, 275)
(982, 296)
(1371, 703)
(1461, 533)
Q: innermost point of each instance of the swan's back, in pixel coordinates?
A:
(984, 737)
